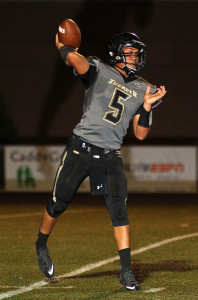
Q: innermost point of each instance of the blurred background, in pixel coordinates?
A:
(41, 101)
(40, 98)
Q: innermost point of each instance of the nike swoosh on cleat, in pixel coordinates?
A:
(131, 287)
(50, 272)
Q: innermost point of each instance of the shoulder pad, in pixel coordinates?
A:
(93, 60)
(145, 83)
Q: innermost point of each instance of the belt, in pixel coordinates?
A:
(88, 146)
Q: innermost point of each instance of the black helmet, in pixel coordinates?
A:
(115, 50)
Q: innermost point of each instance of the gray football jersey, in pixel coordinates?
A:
(110, 104)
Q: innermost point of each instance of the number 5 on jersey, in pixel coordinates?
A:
(115, 115)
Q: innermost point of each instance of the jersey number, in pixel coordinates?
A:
(115, 115)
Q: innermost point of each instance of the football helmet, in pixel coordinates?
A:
(115, 51)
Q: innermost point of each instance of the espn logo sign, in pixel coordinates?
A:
(166, 167)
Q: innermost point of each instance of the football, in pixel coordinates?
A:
(69, 33)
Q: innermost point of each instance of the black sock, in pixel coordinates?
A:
(42, 239)
(125, 258)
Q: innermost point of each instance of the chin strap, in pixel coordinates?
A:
(126, 68)
(129, 71)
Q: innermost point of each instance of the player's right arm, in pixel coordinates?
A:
(74, 59)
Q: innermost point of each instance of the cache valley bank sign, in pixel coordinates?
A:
(147, 168)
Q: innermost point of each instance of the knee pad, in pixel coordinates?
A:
(117, 210)
(54, 209)
(116, 199)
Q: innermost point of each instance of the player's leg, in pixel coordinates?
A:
(122, 236)
(116, 203)
(122, 239)
(71, 172)
(47, 223)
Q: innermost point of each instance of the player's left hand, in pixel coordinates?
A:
(149, 99)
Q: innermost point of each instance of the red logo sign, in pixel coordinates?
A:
(166, 167)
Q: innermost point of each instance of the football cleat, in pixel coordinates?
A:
(128, 281)
(44, 261)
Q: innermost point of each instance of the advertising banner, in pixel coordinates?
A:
(160, 168)
(148, 169)
(33, 169)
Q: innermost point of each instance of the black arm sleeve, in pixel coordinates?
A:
(139, 110)
(152, 106)
(89, 77)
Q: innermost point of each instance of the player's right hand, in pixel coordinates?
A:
(58, 44)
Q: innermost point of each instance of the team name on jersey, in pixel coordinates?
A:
(131, 92)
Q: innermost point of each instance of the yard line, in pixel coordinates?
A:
(22, 290)
(22, 215)
(44, 287)
(92, 266)
(155, 290)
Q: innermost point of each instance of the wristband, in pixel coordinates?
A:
(145, 119)
(64, 52)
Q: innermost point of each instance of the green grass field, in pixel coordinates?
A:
(83, 235)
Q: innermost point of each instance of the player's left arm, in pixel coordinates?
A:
(141, 124)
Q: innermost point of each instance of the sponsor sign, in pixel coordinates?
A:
(148, 169)
(31, 168)
(160, 169)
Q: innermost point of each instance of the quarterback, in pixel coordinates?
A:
(114, 96)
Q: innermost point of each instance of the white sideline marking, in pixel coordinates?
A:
(184, 225)
(22, 215)
(90, 267)
(155, 290)
(45, 287)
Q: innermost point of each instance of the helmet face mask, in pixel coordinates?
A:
(115, 52)
(130, 58)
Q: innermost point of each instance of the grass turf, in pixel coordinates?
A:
(83, 235)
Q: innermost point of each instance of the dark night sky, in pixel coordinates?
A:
(40, 99)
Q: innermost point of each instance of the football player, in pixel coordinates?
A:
(114, 96)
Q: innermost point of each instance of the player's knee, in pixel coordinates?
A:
(116, 199)
(119, 215)
(54, 209)
(118, 211)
